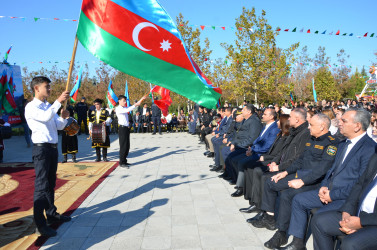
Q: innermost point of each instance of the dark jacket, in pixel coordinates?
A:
(317, 158)
(341, 179)
(248, 132)
(156, 111)
(224, 127)
(206, 119)
(275, 149)
(295, 145)
(358, 193)
(137, 119)
(146, 118)
(81, 109)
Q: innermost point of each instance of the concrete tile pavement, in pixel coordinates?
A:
(167, 199)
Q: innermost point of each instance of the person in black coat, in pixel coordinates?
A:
(356, 219)
(81, 110)
(137, 122)
(156, 118)
(146, 120)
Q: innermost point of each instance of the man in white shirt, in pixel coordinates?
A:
(124, 131)
(44, 122)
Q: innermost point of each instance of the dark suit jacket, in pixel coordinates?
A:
(138, 120)
(352, 204)
(224, 127)
(263, 143)
(248, 132)
(275, 149)
(345, 177)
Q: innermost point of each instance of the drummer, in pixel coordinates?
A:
(98, 116)
(69, 143)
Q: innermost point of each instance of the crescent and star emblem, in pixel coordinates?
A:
(165, 45)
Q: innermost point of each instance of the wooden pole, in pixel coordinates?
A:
(71, 67)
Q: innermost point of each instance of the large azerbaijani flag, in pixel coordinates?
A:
(139, 38)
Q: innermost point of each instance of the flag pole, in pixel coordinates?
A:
(71, 67)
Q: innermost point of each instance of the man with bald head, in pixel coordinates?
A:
(304, 174)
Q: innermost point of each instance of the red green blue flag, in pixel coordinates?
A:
(292, 100)
(75, 89)
(7, 99)
(7, 54)
(165, 100)
(139, 38)
(314, 92)
(111, 97)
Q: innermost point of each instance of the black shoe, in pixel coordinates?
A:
(98, 160)
(46, 231)
(223, 175)
(74, 158)
(124, 166)
(211, 155)
(227, 178)
(216, 168)
(65, 159)
(296, 244)
(153, 133)
(280, 238)
(105, 159)
(212, 166)
(236, 187)
(206, 152)
(256, 217)
(160, 133)
(57, 218)
(238, 193)
(266, 221)
(201, 142)
(250, 209)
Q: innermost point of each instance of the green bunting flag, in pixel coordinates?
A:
(294, 30)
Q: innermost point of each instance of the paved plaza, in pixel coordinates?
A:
(167, 199)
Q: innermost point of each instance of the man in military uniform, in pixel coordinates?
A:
(81, 109)
(156, 118)
(98, 116)
(302, 175)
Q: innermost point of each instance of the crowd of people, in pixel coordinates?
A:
(303, 169)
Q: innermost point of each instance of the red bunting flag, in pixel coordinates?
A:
(337, 33)
(308, 31)
(278, 29)
(165, 100)
(202, 27)
(286, 30)
(365, 35)
(223, 28)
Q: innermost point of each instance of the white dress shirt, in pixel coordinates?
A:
(352, 144)
(370, 200)
(265, 128)
(122, 114)
(43, 121)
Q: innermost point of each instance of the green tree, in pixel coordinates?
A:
(258, 68)
(325, 85)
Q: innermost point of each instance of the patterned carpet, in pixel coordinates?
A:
(75, 181)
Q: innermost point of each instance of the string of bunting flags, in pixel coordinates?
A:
(216, 27)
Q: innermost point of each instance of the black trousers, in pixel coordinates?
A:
(156, 122)
(124, 143)
(326, 225)
(270, 194)
(84, 119)
(45, 160)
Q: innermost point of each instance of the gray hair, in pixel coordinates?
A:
(323, 119)
(301, 113)
(362, 116)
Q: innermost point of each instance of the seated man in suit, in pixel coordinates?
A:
(237, 164)
(350, 163)
(244, 137)
(137, 122)
(303, 175)
(356, 219)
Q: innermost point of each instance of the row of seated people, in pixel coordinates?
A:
(289, 167)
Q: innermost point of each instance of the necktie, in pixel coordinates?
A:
(365, 193)
(339, 162)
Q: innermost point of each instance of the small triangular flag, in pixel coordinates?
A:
(365, 35)
(202, 27)
(331, 33)
(36, 19)
(372, 35)
(240, 28)
(337, 33)
(223, 28)
(316, 32)
(213, 27)
(278, 29)
(302, 30)
(324, 32)
(308, 31)
(286, 30)
(344, 34)
(294, 30)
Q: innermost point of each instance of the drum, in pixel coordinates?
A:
(6, 132)
(99, 133)
(72, 127)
